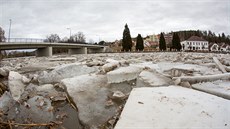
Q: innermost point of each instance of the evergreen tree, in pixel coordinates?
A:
(139, 43)
(126, 41)
(173, 42)
(223, 37)
(162, 44)
(218, 40)
(176, 42)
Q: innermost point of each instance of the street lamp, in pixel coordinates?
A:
(9, 31)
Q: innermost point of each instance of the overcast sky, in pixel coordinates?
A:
(105, 19)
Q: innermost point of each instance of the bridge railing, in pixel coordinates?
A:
(34, 40)
(24, 40)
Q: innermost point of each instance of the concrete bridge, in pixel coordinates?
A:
(46, 49)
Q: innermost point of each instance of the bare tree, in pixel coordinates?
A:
(65, 40)
(53, 38)
(2, 37)
(78, 38)
(91, 41)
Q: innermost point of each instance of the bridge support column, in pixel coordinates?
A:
(47, 51)
(82, 50)
(96, 50)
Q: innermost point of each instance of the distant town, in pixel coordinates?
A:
(190, 40)
(194, 43)
(187, 40)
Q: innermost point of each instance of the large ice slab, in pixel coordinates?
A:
(89, 92)
(65, 71)
(219, 88)
(198, 68)
(154, 79)
(172, 108)
(123, 74)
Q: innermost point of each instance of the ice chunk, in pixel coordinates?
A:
(89, 92)
(154, 79)
(174, 107)
(148, 65)
(219, 88)
(65, 71)
(123, 74)
(111, 65)
(16, 85)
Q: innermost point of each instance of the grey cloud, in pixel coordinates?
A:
(106, 18)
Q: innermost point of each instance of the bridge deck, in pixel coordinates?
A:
(32, 45)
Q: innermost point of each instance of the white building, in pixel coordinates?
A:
(214, 47)
(224, 47)
(195, 43)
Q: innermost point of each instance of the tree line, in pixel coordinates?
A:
(176, 38)
(76, 38)
(176, 46)
(127, 41)
(207, 35)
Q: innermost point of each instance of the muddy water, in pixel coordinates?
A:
(65, 112)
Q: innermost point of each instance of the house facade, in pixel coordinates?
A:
(228, 48)
(224, 47)
(152, 38)
(151, 41)
(195, 43)
(214, 47)
(221, 47)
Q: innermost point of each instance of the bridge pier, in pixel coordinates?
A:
(47, 51)
(95, 50)
(82, 50)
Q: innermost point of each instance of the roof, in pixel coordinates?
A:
(211, 44)
(195, 38)
(223, 45)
